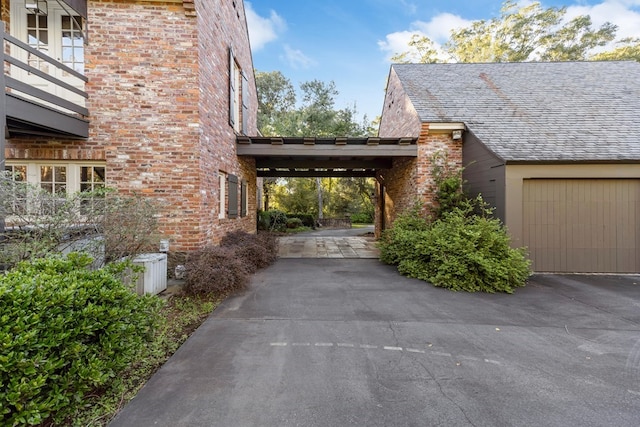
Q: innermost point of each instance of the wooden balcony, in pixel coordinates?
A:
(36, 102)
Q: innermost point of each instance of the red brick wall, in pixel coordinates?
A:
(143, 99)
(410, 180)
(159, 102)
(222, 25)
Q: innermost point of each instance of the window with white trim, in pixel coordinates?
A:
(57, 34)
(222, 180)
(57, 178)
(72, 43)
(92, 180)
(53, 181)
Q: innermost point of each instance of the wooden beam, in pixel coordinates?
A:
(264, 163)
(326, 150)
(316, 174)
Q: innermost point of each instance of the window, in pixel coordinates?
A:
(223, 197)
(244, 199)
(59, 179)
(238, 95)
(72, 43)
(59, 36)
(53, 180)
(91, 181)
(16, 192)
(38, 38)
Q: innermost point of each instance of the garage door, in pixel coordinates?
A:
(582, 225)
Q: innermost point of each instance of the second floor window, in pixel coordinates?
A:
(72, 42)
(38, 38)
(238, 90)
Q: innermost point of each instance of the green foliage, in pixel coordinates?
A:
(294, 223)
(362, 218)
(276, 97)
(277, 220)
(401, 238)
(526, 32)
(103, 223)
(65, 331)
(627, 49)
(448, 180)
(272, 220)
(459, 251)
(180, 316)
(463, 249)
(308, 220)
(462, 252)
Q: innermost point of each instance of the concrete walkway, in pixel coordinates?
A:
(353, 243)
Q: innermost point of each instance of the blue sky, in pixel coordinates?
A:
(350, 42)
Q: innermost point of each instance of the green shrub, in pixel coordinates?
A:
(460, 251)
(294, 223)
(400, 239)
(272, 220)
(264, 220)
(361, 218)
(65, 330)
(308, 220)
(468, 253)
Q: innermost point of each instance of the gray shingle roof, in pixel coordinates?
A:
(535, 111)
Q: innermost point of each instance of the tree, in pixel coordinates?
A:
(316, 115)
(526, 33)
(628, 50)
(276, 98)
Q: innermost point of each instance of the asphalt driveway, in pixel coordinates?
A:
(337, 342)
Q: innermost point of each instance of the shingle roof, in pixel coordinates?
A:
(535, 111)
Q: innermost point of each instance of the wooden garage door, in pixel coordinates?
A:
(582, 225)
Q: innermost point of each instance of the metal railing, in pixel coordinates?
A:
(20, 84)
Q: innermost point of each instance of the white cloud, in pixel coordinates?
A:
(618, 12)
(623, 13)
(438, 29)
(296, 58)
(263, 30)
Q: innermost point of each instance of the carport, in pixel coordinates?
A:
(310, 157)
(324, 156)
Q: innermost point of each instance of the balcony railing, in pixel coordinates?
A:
(36, 101)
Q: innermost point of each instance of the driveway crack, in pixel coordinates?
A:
(440, 389)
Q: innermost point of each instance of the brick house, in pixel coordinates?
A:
(145, 96)
(553, 147)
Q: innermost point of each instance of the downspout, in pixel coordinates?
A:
(3, 127)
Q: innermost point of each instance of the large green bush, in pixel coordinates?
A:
(65, 330)
(459, 251)
(308, 220)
